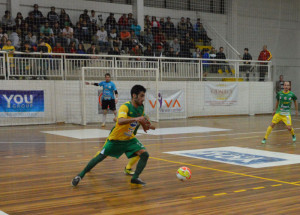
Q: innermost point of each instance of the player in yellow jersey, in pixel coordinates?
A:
(283, 111)
(122, 137)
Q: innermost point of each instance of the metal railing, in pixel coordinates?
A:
(68, 67)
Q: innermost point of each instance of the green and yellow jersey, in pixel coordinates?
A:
(285, 101)
(128, 131)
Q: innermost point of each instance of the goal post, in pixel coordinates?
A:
(124, 79)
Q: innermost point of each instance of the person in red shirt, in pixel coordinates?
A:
(265, 55)
(123, 22)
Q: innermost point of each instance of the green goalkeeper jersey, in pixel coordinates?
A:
(285, 102)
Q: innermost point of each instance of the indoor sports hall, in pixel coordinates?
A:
(221, 87)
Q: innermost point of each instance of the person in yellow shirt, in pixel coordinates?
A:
(10, 49)
(122, 137)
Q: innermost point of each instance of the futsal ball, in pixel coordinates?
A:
(184, 173)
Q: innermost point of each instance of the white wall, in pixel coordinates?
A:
(63, 100)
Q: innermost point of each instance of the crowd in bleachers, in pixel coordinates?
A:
(56, 33)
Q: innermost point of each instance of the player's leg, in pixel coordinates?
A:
(131, 162)
(112, 107)
(275, 120)
(288, 122)
(105, 104)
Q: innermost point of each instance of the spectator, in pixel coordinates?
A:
(38, 16)
(205, 63)
(162, 24)
(93, 22)
(58, 49)
(160, 40)
(189, 26)
(62, 18)
(159, 51)
(279, 84)
(2, 34)
(171, 53)
(136, 51)
(3, 42)
(148, 38)
(110, 22)
(136, 28)
(189, 41)
(7, 21)
(78, 33)
(224, 65)
(114, 51)
(135, 40)
(213, 55)
(46, 33)
(56, 31)
(93, 50)
(86, 32)
(182, 27)
(176, 46)
(60, 38)
(85, 16)
(184, 49)
(200, 33)
(126, 40)
(154, 25)
(72, 48)
(265, 55)
(197, 53)
(19, 20)
(42, 64)
(8, 47)
(52, 17)
(147, 23)
(123, 22)
(102, 39)
(130, 19)
(170, 30)
(81, 49)
(31, 23)
(114, 40)
(14, 37)
(68, 35)
(27, 49)
(31, 39)
(247, 64)
(149, 51)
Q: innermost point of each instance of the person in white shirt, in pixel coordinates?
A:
(68, 35)
(114, 40)
(15, 38)
(102, 39)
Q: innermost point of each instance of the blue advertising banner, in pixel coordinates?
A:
(21, 103)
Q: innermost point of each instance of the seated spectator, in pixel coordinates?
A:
(39, 19)
(81, 49)
(3, 42)
(154, 25)
(78, 33)
(63, 41)
(72, 48)
(147, 23)
(126, 40)
(52, 17)
(176, 46)
(136, 28)
(56, 31)
(136, 51)
(86, 32)
(114, 40)
(102, 39)
(170, 30)
(19, 20)
(68, 34)
(2, 34)
(162, 25)
(171, 53)
(110, 22)
(58, 48)
(224, 65)
(148, 38)
(135, 40)
(197, 53)
(182, 27)
(184, 49)
(31, 39)
(189, 41)
(130, 19)
(7, 21)
(26, 48)
(46, 33)
(123, 22)
(149, 51)
(15, 38)
(160, 40)
(93, 50)
(159, 51)
(200, 33)
(114, 51)
(32, 26)
(84, 16)
(62, 17)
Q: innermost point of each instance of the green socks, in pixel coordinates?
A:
(141, 164)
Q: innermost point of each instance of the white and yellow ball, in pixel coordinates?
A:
(184, 173)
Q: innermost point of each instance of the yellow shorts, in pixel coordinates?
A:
(286, 119)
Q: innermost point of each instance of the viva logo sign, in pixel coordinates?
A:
(170, 102)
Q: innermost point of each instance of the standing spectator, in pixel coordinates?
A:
(42, 64)
(189, 26)
(184, 49)
(170, 30)
(52, 17)
(265, 55)
(86, 32)
(62, 18)
(279, 84)
(68, 34)
(123, 22)
(176, 46)
(3, 42)
(247, 64)
(10, 49)
(56, 30)
(147, 23)
(38, 16)
(102, 39)
(160, 40)
(31, 39)
(201, 33)
(31, 23)
(162, 24)
(93, 22)
(213, 55)
(182, 27)
(148, 38)
(46, 33)
(14, 37)
(19, 20)
(78, 33)
(84, 16)
(136, 28)
(224, 65)
(2, 34)
(26, 48)
(126, 40)
(26, 66)
(189, 41)
(154, 25)
(7, 21)
(110, 22)
(205, 63)
(130, 19)
(114, 40)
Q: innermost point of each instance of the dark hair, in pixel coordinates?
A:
(221, 47)
(136, 89)
(246, 49)
(107, 74)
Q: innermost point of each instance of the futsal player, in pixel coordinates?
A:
(283, 111)
(122, 137)
(109, 96)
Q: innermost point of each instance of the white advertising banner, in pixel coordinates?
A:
(221, 94)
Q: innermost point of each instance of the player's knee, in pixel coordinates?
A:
(272, 125)
(144, 155)
(289, 128)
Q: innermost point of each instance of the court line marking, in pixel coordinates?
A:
(199, 197)
(276, 185)
(225, 171)
(155, 139)
(239, 191)
(220, 194)
(2, 213)
(258, 188)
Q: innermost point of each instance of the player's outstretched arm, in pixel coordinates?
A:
(89, 83)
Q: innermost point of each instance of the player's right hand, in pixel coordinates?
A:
(273, 113)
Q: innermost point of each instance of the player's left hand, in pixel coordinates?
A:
(116, 100)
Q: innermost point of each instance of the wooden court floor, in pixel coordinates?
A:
(36, 170)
